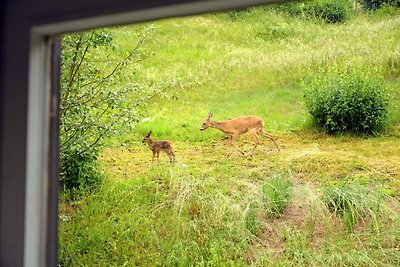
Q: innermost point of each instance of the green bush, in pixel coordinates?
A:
(276, 194)
(330, 12)
(79, 170)
(94, 105)
(347, 101)
(325, 10)
(376, 4)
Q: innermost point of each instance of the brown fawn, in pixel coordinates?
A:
(157, 146)
(233, 128)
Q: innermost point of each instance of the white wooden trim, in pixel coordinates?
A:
(37, 153)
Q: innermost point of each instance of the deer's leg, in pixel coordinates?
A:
(256, 142)
(264, 133)
(233, 139)
(158, 155)
(154, 155)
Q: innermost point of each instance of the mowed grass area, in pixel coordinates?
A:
(215, 207)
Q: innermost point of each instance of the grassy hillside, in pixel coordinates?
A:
(320, 201)
(261, 56)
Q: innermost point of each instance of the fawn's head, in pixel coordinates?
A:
(207, 122)
(147, 138)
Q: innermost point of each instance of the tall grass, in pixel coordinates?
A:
(353, 202)
(276, 195)
(160, 219)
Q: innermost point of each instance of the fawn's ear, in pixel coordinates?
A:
(209, 115)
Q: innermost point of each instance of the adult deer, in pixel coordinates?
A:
(157, 146)
(233, 128)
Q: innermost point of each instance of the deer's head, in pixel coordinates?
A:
(207, 122)
(147, 137)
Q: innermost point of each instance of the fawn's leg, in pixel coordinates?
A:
(154, 155)
(170, 155)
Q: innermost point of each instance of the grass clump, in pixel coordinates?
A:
(347, 101)
(276, 194)
(352, 202)
(251, 222)
(393, 65)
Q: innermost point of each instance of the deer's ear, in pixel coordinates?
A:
(149, 133)
(209, 115)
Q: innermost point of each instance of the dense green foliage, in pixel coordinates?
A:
(94, 103)
(79, 171)
(347, 101)
(325, 10)
(376, 4)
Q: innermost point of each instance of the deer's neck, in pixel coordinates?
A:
(220, 126)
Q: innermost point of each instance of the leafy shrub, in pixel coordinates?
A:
(92, 104)
(276, 195)
(79, 170)
(376, 4)
(325, 10)
(347, 101)
(330, 12)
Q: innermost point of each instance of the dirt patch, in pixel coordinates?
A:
(298, 215)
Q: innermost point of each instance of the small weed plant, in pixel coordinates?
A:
(347, 101)
(276, 194)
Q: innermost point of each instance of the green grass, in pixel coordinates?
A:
(210, 208)
(276, 195)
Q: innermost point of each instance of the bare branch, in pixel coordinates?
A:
(123, 114)
(64, 100)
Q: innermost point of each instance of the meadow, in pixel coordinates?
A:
(321, 200)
